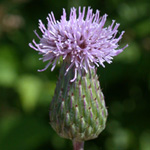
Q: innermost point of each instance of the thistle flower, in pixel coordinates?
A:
(78, 110)
(82, 40)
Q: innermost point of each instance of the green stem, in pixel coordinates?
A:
(77, 145)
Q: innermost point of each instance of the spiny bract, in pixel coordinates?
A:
(78, 110)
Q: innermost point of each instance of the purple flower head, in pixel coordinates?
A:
(82, 40)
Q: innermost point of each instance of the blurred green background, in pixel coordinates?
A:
(25, 94)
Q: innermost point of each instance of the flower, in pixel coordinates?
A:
(82, 40)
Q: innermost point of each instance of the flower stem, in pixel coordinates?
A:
(78, 145)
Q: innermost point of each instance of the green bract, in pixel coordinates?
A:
(78, 110)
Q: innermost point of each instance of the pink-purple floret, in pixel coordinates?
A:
(82, 40)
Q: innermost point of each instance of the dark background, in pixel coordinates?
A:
(25, 94)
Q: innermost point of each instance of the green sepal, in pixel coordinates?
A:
(78, 110)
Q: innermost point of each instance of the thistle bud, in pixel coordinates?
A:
(78, 110)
